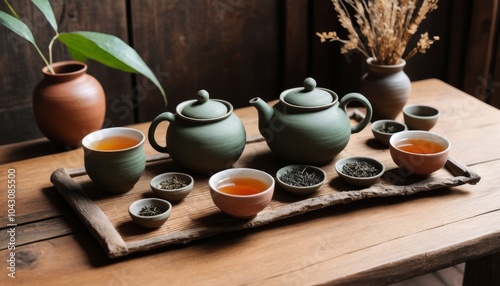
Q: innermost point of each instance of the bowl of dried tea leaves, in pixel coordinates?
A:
(172, 186)
(301, 179)
(150, 212)
(359, 171)
(383, 129)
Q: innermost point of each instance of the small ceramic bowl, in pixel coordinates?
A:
(364, 165)
(303, 176)
(420, 117)
(150, 221)
(383, 129)
(171, 191)
(241, 192)
(419, 152)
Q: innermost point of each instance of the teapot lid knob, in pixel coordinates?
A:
(202, 96)
(309, 96)
(204, 108)
(309, 84)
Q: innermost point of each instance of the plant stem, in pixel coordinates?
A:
(50, 48)
(12, 10)
(49, 66)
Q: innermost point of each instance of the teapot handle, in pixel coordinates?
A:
(353, 96)
(165, 116)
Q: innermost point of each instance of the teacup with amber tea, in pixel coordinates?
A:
(241, 192)
(419, 152)
(114, 158)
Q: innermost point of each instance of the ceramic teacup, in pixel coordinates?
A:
(420, 117)
(114, 158)
(419, 152)
(241, 192)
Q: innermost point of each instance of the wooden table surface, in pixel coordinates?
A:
(375, 241)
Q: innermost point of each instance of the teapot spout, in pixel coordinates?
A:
(265, 112)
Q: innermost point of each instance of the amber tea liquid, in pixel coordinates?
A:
(242, 186)
(115, 143)
(420, 146)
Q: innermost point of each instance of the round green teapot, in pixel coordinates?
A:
(309, 125)
(203, 136)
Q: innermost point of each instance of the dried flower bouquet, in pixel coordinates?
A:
(382, 28)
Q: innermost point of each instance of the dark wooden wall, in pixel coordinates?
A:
(235, 49)
(230, 48)
(21, 65)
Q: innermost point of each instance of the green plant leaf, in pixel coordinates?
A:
(44, 6)
(17, 26)
(76, 55)
(110, 51)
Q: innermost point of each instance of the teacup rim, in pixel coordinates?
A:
(437, 112)
(87, 145)
(396, 137)
(392, 121)
(213, 184)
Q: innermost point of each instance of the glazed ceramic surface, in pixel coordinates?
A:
(383, 129)
(387, 87)
(176, 194)
(114, 171)
(154, 221)
(241, 206)
(309, 125)
(69, 104)
(301, 190)
(420, 117)
(419, 164)
(204, 135)
(359, 181)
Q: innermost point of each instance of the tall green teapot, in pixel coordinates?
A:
(203, 136)
(309, 125)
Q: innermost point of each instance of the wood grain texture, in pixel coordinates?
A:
(483, 271)
(98, 224)
(376, 241)
(296, 47)
(43, 229)
(480, 49)
(189, 229)
(233, 49)
(459, 19)
(494, 76)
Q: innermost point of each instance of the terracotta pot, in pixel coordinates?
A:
(68, 104)
(387, 87)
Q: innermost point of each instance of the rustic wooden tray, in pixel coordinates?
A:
(196, 217)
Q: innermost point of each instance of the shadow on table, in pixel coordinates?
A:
(27, 150)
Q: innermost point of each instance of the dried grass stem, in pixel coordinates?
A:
(382, 28)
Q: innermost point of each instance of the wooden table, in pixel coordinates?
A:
(374, 241)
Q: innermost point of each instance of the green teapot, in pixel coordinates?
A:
(203, 136)
(309, 125)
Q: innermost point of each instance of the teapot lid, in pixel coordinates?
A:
(204, 108)
(309, 96)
